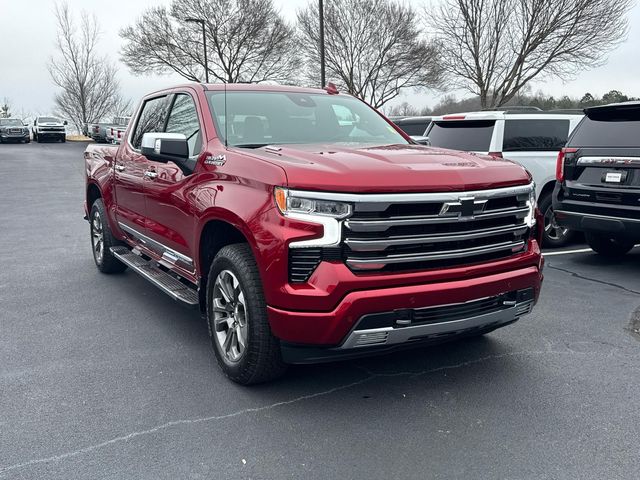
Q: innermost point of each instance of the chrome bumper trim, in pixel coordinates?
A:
(397, 335)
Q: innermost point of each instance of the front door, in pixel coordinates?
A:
(131, 167)
(170, 222)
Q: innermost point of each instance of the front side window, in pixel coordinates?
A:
(152, 118)
(466, 135)
(184, 119)
(255, 119)
(415, 128)
(535, 135)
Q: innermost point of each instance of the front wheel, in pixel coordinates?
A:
(554, 234)
(245, 348)
(609, 246)
(63, 139)
(102, 240)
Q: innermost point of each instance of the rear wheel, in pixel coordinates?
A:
(245, 348)
(554, 234)
(609, 246)
(102, 240)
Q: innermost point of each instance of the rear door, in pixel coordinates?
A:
(131, 167)
(170, 222)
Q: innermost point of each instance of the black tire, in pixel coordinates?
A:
(63, 139)
(28, 140)
(553, 235)
(105, 262)
(261, 359)
(35, 138)
(608, 245)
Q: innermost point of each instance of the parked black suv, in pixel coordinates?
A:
(598, 173)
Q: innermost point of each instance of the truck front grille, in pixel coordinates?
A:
(418, 231)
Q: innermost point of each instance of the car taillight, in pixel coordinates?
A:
(496, 154)
(560, 162)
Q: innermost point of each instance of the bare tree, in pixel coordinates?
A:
(495, 47)
(88, 81)
(5, 108)
(374, 48)
(247, 41)
(405, 109)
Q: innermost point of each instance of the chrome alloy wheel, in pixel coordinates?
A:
(229, 316)
(97, 237)
(551, 227)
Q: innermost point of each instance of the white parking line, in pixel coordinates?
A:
(567, 252)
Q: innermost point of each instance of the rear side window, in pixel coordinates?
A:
(469, 135)
(535, 135)
(152, 117)
(606, 133)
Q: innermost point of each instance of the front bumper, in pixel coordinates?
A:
(14, 136)
(341, 329)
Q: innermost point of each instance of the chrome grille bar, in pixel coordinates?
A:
(377, 244)
(442, 255)
(378, 225)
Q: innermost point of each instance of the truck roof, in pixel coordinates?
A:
(241, 87)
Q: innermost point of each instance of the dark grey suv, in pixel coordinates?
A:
(598, 179)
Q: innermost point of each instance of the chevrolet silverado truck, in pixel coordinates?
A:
(49, 127)
(598, 179)
(302, 238)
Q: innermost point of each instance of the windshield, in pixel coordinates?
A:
(10, 122)
(255, 119)
(48, 120)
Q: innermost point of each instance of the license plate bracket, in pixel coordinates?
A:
(616, 177)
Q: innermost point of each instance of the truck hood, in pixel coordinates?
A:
(390, 168)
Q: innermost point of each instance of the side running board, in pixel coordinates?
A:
(161, 279)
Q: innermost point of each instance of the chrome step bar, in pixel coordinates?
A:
(158, 277)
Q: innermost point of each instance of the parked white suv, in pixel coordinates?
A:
(531, 138)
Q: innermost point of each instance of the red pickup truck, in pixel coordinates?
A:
(306, 227)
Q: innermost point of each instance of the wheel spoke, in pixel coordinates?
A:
(240, 334)
(228, 342)
(220, 307)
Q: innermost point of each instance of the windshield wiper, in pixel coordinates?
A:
(251, 145)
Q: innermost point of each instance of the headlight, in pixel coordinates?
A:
(303, 203)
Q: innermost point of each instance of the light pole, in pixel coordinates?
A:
(321, 15)
(204, 41)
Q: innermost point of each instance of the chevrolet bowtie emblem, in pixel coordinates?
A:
(465, 207)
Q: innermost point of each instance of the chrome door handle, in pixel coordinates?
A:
(120, 168)
(151, 174)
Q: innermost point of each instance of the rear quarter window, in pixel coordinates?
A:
(413, 128)
(535, 135)
(468, 135)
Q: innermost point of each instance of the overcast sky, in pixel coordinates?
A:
(27, 34)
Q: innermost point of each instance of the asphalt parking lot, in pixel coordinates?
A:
(104, 377)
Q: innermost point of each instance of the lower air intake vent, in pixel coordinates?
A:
(302, 263)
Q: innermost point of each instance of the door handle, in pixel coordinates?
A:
(120, 168)
(151, 174)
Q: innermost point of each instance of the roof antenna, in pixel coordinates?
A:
(226, 118)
